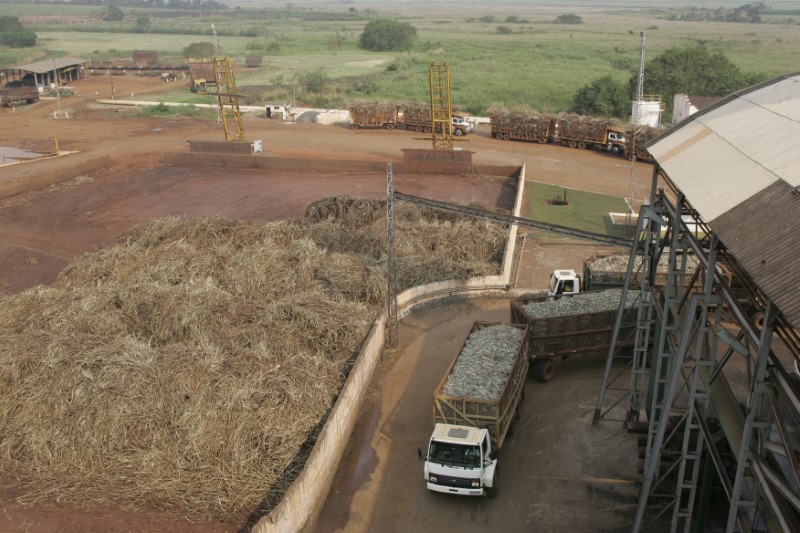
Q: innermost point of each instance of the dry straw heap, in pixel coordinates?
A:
(187, 369)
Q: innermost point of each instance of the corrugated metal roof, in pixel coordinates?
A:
(40, 67)
(738, 164)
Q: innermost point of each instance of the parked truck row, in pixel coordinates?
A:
(575, 131)
(410, 115)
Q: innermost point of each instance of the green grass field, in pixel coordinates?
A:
(584, 210)
(539, 65)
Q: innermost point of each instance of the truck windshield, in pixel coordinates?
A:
(455, 454)
(553, 283)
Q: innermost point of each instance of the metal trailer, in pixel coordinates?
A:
(10, 96)
(417, 117)
(556, 338)
(373, 115)
(600, 279)
(530, 127)
(577, 131)
(494, 415)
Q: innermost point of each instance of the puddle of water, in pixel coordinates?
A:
(10, 155)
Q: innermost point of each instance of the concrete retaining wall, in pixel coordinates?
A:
(301, 505)
(46, 171)
(256, 161)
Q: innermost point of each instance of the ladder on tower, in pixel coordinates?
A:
(228, 99)
(441, 110)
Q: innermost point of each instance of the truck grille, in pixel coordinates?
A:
(459, 482)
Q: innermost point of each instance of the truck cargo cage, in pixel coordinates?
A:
(494, 415)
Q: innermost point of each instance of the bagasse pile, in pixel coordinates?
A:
(484, 363)
(184, 368)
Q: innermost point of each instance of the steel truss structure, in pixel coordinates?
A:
(441, 110)
(702, 428)
(228, 99)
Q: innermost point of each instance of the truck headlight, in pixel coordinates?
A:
(476, 483)
(434, 479)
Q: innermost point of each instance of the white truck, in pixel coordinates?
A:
(461, 461)
(472, 417)
(462, 126)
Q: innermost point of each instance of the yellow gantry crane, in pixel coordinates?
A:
(227, 97)
(441, 111)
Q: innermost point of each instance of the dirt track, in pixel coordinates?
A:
(41, 231)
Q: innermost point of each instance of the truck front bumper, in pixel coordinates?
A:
(455, 490)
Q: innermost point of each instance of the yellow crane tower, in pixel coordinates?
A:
(227, 97)
(441, 111)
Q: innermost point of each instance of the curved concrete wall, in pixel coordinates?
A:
(300, 506)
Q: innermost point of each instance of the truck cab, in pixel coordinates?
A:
(563, 283)
(616, 142)
(460, 460)
(462, 125)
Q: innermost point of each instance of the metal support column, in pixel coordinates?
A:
(705, 349)
(391, 265)
(743, 503)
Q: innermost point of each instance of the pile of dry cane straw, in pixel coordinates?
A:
(187, 368)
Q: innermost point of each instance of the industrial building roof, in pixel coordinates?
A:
(738, 164)
(40, 67)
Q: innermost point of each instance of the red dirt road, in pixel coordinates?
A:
(43, 230)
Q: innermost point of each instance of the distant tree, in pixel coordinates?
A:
(9, 23)
(143, 24)
(199, 50)
(569, 19)
(314, 81)
(604, 97)
(504, 30)
(488, 19)
(693, 71)
(14, 35)
(274, 48)
(383, 35)
(512, 19)
(113, 13)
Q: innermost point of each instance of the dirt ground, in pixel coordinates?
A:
(43, 230)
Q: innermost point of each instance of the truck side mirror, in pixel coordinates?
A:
(419, 454)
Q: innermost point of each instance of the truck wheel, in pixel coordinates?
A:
(581, 145)
(353, 126)
(573, 144)
(506, 136)
(491, 492)
(544, 370)
(418, 129)
(542, 140)
(427, 129)
(615, 149)
(389, 126)
(458, 132)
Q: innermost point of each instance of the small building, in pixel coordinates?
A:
(277, 111)
(684, 106)
(63, 70)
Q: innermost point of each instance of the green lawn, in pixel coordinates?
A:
(584, 210)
